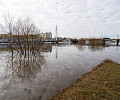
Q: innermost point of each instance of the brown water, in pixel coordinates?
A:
(40, 76)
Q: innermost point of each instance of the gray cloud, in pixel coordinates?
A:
(74, 18)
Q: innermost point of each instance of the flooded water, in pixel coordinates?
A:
(39, 75)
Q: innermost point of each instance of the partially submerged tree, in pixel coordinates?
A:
(22, 35)
(23, 32)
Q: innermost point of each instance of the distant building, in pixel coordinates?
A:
(4, 36)
(47, 35)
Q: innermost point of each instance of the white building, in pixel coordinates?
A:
(47, 35)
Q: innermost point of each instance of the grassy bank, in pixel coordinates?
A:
(102, 83)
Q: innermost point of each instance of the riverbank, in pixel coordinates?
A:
(102, 83)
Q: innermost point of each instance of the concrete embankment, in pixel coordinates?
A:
(102, 83)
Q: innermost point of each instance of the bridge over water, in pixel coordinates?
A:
(101, 41)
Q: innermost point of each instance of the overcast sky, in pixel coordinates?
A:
(74, 18)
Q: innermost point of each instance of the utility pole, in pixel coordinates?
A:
(117, 39)
(117, 36)
(56, 29)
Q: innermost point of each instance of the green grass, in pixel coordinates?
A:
(102, 83)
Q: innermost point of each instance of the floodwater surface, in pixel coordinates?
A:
(42, 74)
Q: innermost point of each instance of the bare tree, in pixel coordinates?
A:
(24, 36)
(23, 32)
(7, 27)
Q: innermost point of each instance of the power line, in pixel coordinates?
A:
(56, 29)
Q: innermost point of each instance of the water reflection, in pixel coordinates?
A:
(92, 45)
(92, 48)
(26, 63)
(80, 47)
(95, 48)
(36, 74)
